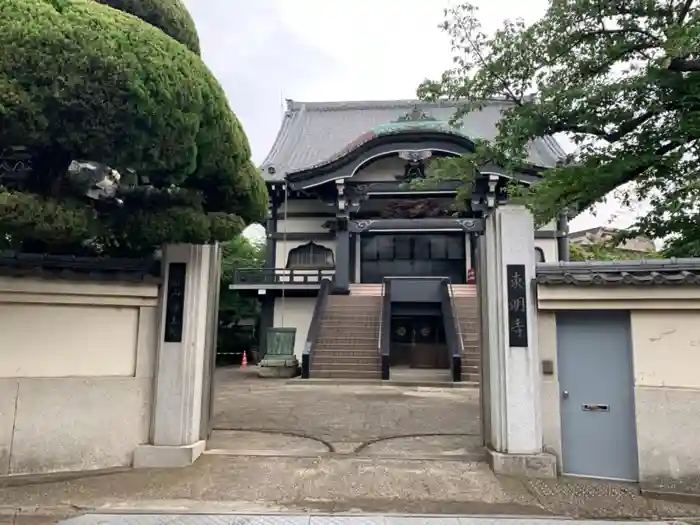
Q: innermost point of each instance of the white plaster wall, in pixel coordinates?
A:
(295, 312)
(302, 225)
(382, 170)
(550, 226)
(551, 424)
(666, 357)
(549, 248)
(666, 348)
(76, 374)
(46, 340)
(667, 394)
(468, 252)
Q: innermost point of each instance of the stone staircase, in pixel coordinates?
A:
(348, 341)
(467, 311)
(366, 290)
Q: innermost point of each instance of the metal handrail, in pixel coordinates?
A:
(281, 276)
(385, 330)
(455, 318)
(381, 316)
(314, 328)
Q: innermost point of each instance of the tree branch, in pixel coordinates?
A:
(684, 11)
(609, 32)
(624, 129)
(634, 173)
(684, 64)
(484, 65)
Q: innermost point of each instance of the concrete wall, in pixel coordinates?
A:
(76, 373)
(295, 312)
(666, 354)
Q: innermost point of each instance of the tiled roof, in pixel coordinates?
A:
(621, 273)
(14, 264)
(312, 132)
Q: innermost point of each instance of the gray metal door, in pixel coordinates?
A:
(596, 384)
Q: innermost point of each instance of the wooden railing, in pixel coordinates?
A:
(279, 276)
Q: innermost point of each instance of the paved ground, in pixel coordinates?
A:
(223, 519)
(334, 449)
(342, 414)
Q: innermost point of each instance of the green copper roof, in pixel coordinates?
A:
(312, 133)
(420, 125)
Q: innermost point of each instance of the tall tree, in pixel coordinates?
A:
(602, 251)
(621, 79)
(81, 80)
(235, 307)
(237, 254)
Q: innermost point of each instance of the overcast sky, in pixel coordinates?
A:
(264, 51)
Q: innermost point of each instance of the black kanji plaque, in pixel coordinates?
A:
(517, 305)
(175, 302)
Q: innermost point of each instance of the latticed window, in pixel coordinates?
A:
(310, 255)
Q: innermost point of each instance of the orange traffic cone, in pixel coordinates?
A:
(244, 361)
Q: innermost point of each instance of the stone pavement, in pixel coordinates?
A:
(325, 449)
(300, 519)
(341, 413)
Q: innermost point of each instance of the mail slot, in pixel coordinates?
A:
(593, 407)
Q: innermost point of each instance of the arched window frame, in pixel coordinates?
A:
(310, 256)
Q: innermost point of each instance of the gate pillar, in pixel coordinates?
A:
(511, 364)
(177, 409)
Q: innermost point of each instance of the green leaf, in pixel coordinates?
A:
(621, 80)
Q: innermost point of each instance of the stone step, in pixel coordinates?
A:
(352, 314)
(333, 332)
(346, 337)
(333, 353)
(337, 322)
(350, 320)
(336, 367)
(353, 299)
(467, 313)
(346, 374)
(345, 346)
(353, 306)
(318, 357)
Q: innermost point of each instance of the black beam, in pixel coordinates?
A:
(466, 225)
(563, 238)
(304, 236)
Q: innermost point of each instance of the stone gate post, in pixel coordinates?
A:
(177, 410)
(511, 389)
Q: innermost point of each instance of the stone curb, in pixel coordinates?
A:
(378, 382)
(677, 497)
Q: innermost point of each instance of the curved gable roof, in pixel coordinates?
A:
(313, 134)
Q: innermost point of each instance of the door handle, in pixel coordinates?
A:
(565, 394)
